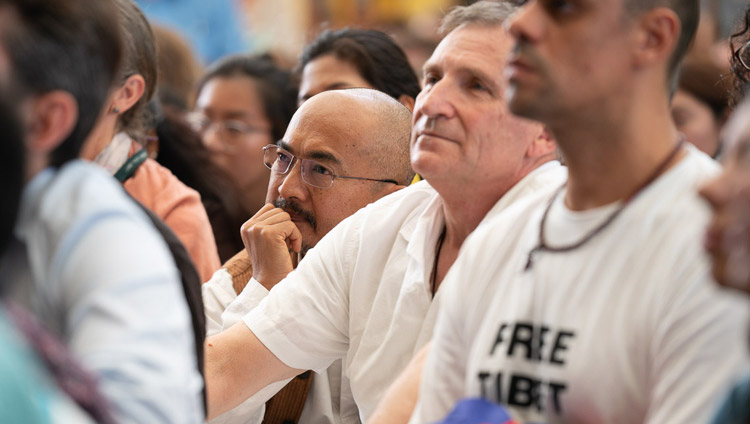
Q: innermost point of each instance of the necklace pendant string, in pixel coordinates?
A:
(542, 243)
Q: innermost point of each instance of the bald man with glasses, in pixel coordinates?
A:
(342, 150)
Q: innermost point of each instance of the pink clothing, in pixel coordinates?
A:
(180, 207)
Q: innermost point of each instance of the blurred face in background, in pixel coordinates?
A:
(230, 117)
(728, 236)
(695, 119)
(327, 72)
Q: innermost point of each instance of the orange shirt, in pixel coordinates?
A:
(180, 207)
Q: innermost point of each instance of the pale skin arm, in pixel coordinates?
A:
(399, 401)
(238, 365)
(268, 237)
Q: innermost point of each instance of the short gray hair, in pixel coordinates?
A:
(487, 13)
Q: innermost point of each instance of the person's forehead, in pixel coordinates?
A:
(236, 95)
(328, 72)
(330, 131)
(473, 46)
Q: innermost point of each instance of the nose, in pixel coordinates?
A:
(717, 191)
(292, 185)
(211, 139)
(525, 24)
(436, 100)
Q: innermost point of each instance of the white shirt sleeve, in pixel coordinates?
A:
(217, 293)
(304, 320)
(251, 296)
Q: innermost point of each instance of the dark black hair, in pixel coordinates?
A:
(741, 82)
(275, 86)
(374, 54)
(69, 45)
(11, 169)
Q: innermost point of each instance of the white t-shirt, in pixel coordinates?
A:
(632, 328)
(363, 293)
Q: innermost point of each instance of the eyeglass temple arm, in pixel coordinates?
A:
(368, 179)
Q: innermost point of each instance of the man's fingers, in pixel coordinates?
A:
(295, 239)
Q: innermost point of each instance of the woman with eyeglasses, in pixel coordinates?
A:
(117, 144)
(243, 103)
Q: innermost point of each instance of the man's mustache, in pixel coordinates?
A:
(292, 207)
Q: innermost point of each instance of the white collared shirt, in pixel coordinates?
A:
(363, 293)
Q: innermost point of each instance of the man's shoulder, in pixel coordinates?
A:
(401, 206)
(81, 190)
(74, 199)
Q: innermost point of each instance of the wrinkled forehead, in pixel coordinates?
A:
(473, 46)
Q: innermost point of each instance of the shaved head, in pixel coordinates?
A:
(378, 126)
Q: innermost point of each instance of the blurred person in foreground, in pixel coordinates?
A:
(86, 260)
(367, 292)
(727, 239)
(117, 144)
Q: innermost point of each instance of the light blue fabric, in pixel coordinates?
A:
(91, 266)
(213, 27)
(27, 393)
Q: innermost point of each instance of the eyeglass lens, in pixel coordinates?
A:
(313, 172)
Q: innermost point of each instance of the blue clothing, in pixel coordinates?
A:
(212, 27)
(736, 407)
(89, 264)
(27, 394)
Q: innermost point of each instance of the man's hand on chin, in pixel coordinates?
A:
(268, 237)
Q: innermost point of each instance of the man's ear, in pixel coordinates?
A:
(128, 94)
(543, 145)
(407, 101)
(51, 118)
(658, 33)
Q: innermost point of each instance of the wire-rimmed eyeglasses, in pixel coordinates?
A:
(313, 172)
(743, 54)
(230, 132)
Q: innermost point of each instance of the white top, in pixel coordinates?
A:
(632, 328)
(363, 294)
(97, 273)
(325, 403)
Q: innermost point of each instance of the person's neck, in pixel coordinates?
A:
(609, 159)
(462, 216)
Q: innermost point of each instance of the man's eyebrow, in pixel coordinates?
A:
(286, 146)
(323, 156)
(320, 155)
(429, 67)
